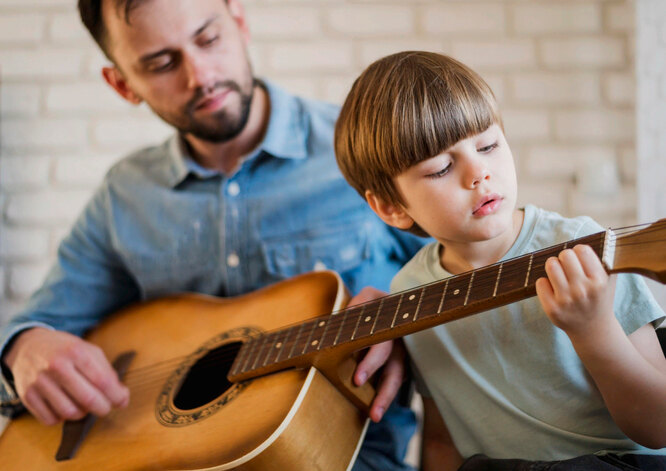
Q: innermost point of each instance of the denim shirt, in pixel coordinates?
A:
(160, 224)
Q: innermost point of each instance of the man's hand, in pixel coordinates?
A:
(390, 354)
(59, 376)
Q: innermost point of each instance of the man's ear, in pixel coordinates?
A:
(117, 81)
(392, 214)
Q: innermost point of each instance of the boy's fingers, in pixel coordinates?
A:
(373, 360)
(392, 379)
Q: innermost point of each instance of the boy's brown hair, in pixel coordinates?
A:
(406, 108)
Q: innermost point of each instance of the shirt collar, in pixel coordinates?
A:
(286, 138)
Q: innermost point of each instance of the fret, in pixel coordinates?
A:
(397, 308)
(366, 323)
(314, 326)
(485, 279)
(253, 342)
(350, 325)
(263, 344)
(469, 288)
(317, 334)
(386, 317)
(329, 335)
(240, 358)
(441, 301)
(358, 319)
(499, 274)
(456, 291)
(271, 346)
(512, 276)
(539, 262)
(296, 339)
(418, 306)
(408, 307)
(342, 324)
(284, 344)
(529, 269)
(379, 309)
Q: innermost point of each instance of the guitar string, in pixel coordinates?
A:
(167, 365)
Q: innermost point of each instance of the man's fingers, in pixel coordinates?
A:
(101, 377)
(373, 360)
(39, 408)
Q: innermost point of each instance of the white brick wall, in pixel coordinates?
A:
(563, 71)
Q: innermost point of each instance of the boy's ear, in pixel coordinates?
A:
(391, 214)
(117, 81)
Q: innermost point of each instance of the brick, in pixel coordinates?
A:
(19, 100)
(495, 54)
(24, 172)
(556, 18)
(9, 307)
(318, 55)
(301, 86)
(85, 171)
(42, 4)
(46, 208)
(130, 132)
(25, 279)
(21, 244)
(563, 161)
(628, 163)
(595, 125)
(621, 17)
(583, 52)
(270, 22)
(609, 210)
(2, 294)
(85, 97)
(48, 133)
(620, 88)
(525, 125)
(44, 64)
(336, 89)
(543, 193)
(369, 20)
(496, 84)
(67, 27)
(21, 28)
(481, 18)
(371, 50)
(548, 88)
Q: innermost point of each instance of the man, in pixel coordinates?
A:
(247, 193)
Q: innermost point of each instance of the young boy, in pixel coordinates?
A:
(576, 375)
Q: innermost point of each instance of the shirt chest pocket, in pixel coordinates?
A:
(338, 249)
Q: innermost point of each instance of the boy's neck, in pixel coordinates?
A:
(461, 257)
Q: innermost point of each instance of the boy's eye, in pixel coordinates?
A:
(441, 173)
(486, 149)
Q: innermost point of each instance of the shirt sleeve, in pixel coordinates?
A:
(86, 283)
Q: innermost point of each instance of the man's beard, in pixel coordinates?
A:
(221, 126)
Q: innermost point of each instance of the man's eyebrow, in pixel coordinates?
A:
(152, 55)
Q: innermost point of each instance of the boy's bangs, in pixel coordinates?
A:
(440, 107)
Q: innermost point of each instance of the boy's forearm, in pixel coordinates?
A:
(633, 388)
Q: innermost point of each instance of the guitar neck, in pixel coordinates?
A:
(404, 313)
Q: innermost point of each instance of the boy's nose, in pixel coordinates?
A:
(477, 173)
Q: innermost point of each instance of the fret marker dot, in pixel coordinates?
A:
(315, 342)
(367, 319)
(321, 324)
(456, 291)
(278, 345)
(411, 298)
(405, 315)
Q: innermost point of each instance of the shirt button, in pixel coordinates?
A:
(233, 260)
(233, 189)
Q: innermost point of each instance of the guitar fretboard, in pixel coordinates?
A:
(410, 311)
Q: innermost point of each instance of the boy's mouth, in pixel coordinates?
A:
(487, 205)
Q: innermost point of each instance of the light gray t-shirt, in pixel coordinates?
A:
(507, 382)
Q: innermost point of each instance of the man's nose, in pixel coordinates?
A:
(198, 72)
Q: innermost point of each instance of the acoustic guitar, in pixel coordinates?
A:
(263, 381)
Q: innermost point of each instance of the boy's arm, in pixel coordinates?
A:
(438, 453)
(630, 371)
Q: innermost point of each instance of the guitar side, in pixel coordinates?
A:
(287, 420)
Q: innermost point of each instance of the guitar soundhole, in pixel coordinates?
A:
(207, 378)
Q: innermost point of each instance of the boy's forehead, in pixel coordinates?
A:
(155, 24)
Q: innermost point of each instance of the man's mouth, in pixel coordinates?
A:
(212, 101)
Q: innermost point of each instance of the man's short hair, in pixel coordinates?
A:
(92, 18)
(406, 108)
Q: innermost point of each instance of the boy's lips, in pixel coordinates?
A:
(487, 205)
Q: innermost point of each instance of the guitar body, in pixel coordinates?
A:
(283, 421)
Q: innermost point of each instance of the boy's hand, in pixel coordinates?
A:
(389, 354)
(578, 293)
(59, 376)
